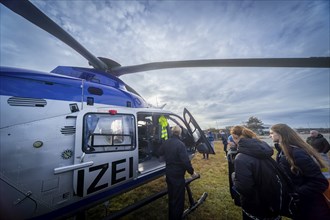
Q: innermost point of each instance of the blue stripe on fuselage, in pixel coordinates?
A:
(31, 84)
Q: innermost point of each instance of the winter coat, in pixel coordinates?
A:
(247, 170)
(210, 136)
(224, 138)
(319, 143)
(176, 157)
(309, 183)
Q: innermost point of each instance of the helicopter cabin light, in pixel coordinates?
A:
(112, 112)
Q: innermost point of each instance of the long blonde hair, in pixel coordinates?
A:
(292, 138)
(244, 132)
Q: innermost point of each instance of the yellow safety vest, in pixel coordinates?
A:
(163, 123)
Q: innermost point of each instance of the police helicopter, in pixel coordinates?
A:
(75, 137)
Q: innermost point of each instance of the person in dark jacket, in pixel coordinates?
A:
(303, 165)
(177, 163)
(321, 145)
(224, 138)
(251, 150)
(319, 142)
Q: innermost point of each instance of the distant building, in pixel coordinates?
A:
(264, 130)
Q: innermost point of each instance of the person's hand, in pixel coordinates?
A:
(194, 175)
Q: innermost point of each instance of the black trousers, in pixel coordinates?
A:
(225, 148)
(176, 196)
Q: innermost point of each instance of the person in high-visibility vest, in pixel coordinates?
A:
(163, 123)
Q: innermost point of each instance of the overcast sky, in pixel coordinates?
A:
(136, 32)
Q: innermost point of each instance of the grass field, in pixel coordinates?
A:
(214, 181)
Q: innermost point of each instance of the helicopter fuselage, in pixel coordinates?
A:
(70, 142)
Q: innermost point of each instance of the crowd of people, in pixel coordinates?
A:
(300, 161)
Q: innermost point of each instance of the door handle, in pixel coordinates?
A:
(72, 167)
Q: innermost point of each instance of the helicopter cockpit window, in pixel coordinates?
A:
(186, 137)
(195, 132)
(105, 132)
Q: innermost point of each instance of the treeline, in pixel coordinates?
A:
(256, 125)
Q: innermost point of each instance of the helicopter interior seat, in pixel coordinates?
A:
(145, 147)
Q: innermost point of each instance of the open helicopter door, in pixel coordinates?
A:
(202, 143)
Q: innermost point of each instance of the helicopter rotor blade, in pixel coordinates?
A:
(313, 62)
(30, 12)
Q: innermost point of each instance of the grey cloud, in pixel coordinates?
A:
(134, 32)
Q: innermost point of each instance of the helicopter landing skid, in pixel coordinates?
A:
(143, 202)
(193, 204)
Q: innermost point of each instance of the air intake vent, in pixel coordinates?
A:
(68, 130)
(27, 102)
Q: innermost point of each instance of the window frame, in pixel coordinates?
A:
(89, 146)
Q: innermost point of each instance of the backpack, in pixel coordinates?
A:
(276, 190)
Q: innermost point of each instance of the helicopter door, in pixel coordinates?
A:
(105, 152)
(202, 143)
